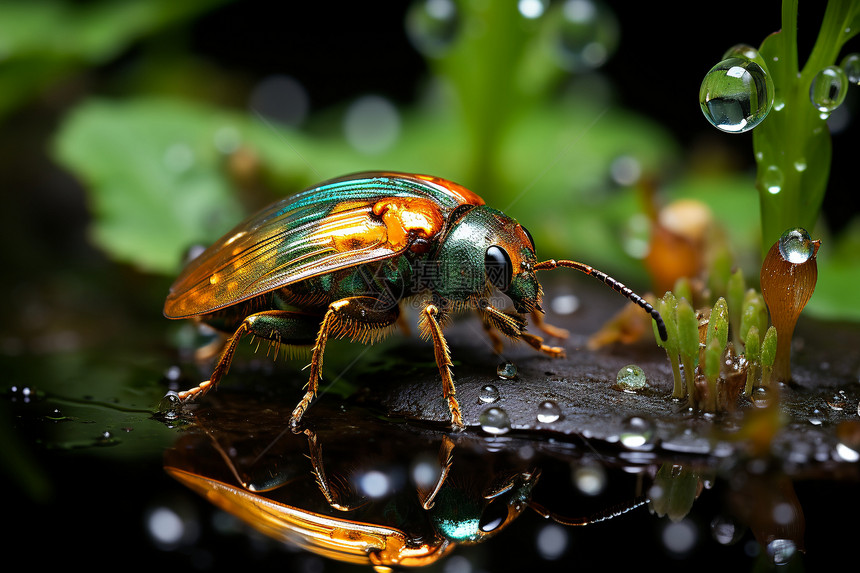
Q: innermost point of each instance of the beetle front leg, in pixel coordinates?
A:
(514, 327)
(430, 325)
(546, 328)
(350, 316)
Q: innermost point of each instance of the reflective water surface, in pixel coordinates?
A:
(582, 471)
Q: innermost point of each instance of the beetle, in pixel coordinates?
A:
(338, 259)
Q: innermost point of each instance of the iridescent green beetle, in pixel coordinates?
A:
(338, 260)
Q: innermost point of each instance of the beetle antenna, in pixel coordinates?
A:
(611, 283)
(604, 515)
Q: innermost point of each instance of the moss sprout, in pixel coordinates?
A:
(753, 358)
(768, 356)
(710, 369)
(735, 292)
(667, 307)
(688, 343)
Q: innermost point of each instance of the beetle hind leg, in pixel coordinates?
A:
(221, 367)
(275, 325)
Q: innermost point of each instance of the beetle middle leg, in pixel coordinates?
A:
(430, 325)
(353, 316)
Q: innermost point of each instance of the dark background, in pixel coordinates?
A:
(337, 50)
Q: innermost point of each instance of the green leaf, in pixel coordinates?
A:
(152, 169)
(43, 42)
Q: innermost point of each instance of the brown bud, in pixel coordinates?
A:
(788, 276)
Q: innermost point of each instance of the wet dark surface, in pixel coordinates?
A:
(89, 452)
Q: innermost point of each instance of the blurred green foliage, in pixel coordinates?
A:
(510, 110)
(44, 42)
(792, 146)
(503, 127)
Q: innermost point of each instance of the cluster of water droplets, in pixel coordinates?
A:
(737, 93)
(494, 419)
(585, 33)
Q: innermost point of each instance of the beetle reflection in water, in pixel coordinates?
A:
(378, 494)
(339, 260)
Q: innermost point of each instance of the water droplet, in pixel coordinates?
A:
(725, 530)
(371, 124)
(552, 540)
(170, 405)
(851, 66)
(548, 412)
(680, 537)
(494, 421)
(590, 479)
(772, 179)
(800, 165)
(425, 471)
(781, 550)
(507, 370)
(828, 89)
(178, 157)
(631, 378)
(838, 401)
(778, 104)
(795, 246)
(227, 139)
(431, 26)
(847, 453)
(625, 170)
(280, 98)
(586, 35)
(565, 304)
(374, 483)
(736, 95)
(638, 433)
(762, 397)
(818, 417)
(532, 9)
(489, 394)
(745, 52)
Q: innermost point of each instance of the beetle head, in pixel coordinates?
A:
(484, 249)
(466, 515)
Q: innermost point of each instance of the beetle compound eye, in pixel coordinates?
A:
(531, 239)
(498, 267)
(494, 515)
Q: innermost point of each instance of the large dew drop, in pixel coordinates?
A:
(736, 95)
(796, 246)
(828, 89)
